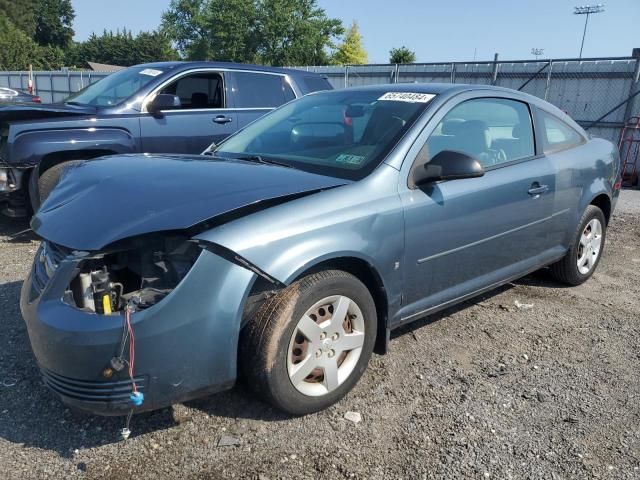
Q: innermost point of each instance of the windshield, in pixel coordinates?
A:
(344, 134)
(115, 88)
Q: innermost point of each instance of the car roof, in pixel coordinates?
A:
(432, 88)
(228, 65)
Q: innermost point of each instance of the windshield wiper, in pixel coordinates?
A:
(263, 160)
(76, 103)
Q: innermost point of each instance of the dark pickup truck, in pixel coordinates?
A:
(169, 107)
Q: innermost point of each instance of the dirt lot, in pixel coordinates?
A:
(485, 390)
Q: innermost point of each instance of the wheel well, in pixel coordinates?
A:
(52, 159)
(603, 202)
(368, 275)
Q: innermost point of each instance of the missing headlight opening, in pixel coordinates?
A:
(147, 268)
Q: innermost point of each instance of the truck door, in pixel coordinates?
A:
(202, 118)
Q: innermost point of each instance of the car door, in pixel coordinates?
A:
(558, 142)
(464, 235)
(203, 116)
(257, 93)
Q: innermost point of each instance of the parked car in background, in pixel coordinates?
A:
(296, 246)
(169, 107)
(11, 95)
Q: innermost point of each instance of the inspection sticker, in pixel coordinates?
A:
(411, 97)
(152, 72)
(350, 159)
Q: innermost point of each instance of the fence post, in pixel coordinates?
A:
(453, 72)
(548, 84)
(396, 72)
(494, 73)
(346, 76)
(635, 85)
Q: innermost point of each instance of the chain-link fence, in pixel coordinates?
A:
(599, 93)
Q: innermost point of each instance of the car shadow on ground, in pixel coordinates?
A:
(16, 230)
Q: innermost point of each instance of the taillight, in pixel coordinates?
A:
(36, 100)
(618, 184)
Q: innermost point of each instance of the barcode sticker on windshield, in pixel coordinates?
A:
(411, 97)
(152, 72)
(350, 159)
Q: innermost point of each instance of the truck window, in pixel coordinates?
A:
(260, 90)
(315, 84)
(198, 91)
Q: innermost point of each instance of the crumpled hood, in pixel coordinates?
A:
(32, 111)
(111, 198)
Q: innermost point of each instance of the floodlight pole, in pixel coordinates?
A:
(587, 10)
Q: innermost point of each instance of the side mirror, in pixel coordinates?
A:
(447, 165)
(163, 101)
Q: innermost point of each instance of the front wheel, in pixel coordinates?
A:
(584, 255)
(50, 178)
(309, 344)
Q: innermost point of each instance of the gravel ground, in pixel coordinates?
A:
(485, 390)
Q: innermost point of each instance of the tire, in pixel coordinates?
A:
(567, 270)
(275, 355)
(50, 178)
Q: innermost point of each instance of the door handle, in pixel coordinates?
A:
(537, 189)
(222, 119)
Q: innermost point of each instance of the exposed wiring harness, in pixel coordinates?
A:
(118, 363)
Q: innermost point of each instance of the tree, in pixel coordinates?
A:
(212, 29)
(54, 20)
(401, 55)
(273, 32)
(121, 48)
(295, 32)
(21, 14)
(18, 50)
(351, 51)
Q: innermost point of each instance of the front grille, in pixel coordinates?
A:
(48, 257)
(114, 392)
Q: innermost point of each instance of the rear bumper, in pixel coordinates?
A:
(185, 346)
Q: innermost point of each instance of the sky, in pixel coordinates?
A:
(454, 30)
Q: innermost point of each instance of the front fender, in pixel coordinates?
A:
(28, 147)
(363, 220)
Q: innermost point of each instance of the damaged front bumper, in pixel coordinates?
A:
(185, 345)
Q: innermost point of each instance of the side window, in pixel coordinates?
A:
(200, 90)
(315, 84)
(494, 130)
(557, 135)
(260, 90)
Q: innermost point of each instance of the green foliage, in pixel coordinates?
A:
(18, 50)
(351, 51)
(401, 55)
(213, 29)
(21, 14)
(121, 48)
(272, 32)
(54, 20)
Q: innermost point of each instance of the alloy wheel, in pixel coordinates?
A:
(325, 346)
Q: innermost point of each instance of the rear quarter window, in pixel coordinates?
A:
(556, 134)
(312, 83)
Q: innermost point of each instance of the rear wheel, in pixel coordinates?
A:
(584, 255)
(50, 178)
(309, 345)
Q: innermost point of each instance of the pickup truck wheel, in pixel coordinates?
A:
(308, 345)
(584, 255)
(50, 178)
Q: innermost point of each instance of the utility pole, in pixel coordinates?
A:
(537, 52)
(587, 10)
